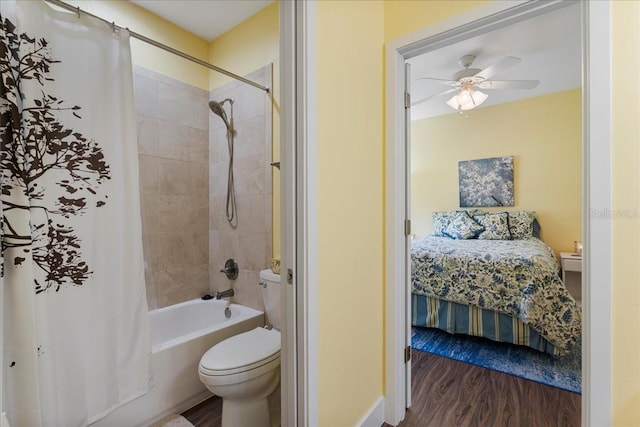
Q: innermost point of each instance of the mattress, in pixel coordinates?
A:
(519, 278)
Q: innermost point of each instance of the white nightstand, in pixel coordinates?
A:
(572, 274)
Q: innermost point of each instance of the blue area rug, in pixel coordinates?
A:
(561, 372)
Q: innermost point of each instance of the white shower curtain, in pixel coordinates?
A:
(76, 333)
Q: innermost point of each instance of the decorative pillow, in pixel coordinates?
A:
(536, 228)
(521, 224)
(441, 221)
(462, 226)
(496, 226)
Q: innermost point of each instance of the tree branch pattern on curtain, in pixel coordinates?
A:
(76, 331)
(35, 143)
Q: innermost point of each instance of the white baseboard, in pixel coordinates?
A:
(375, 416)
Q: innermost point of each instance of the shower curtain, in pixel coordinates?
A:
(76, 333)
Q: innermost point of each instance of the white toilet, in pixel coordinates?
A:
(245, 369)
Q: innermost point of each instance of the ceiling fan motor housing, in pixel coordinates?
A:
(467, 75)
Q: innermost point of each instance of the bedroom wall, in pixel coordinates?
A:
(543, 134)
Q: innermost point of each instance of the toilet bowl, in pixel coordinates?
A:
(245, 369)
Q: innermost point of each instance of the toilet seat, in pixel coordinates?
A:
(244, 352)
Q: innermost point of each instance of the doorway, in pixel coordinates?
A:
(596, 238)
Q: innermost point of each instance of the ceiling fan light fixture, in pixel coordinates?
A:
(464, 97)
(453, 102)
(478, 97)
(467, 99)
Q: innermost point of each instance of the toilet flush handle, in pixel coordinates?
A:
(262, 283)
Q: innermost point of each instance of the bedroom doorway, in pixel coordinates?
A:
(594, 104)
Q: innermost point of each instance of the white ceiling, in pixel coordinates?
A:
(549, 46)
(205, 18)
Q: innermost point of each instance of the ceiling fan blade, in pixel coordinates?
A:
(422, 100)
(508, 84)
(498, 67)
(443, 81)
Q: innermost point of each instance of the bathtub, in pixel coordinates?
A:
(180, 335)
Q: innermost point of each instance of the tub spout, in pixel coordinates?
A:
(224, 294)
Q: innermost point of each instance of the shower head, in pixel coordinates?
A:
(216, 108)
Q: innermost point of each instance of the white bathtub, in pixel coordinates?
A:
(180, 335)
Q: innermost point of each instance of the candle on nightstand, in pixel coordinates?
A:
(577, 248)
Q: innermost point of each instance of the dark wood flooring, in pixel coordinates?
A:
(451, 393)
(446, 393)
(205, 414)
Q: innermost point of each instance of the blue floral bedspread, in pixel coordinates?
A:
(517, 277)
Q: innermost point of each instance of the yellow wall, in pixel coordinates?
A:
(543, 134)
(350, 220)
(251, 45)
(404, 17)
(129, 15)
(626, 204)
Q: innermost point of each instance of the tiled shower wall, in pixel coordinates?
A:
(250, 242)
(173, 144)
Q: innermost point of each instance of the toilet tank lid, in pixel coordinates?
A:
(269, 276)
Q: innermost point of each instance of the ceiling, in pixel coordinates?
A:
(549, 46)
(205, 18)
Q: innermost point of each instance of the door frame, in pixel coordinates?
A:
(298, 222)
(596, 193)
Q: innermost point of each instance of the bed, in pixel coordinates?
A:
(504, 286)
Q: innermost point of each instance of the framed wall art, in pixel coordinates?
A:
(486, 182)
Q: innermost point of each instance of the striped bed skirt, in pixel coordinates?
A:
(470, 320)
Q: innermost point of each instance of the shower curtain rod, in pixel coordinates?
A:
(160, 45)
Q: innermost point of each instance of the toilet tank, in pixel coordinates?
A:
(270, 288)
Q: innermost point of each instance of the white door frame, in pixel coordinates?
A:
(299, 214)
(596, 345)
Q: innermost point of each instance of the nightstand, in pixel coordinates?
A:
(572, 274)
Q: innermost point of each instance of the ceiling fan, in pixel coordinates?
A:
(468, 81)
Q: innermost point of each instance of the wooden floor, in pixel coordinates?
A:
(453, 393)
(206, 414)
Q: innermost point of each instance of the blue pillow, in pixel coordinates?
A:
(441, 221)
(462, 226)
(521, 224)
(496, 226)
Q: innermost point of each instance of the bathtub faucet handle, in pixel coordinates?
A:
(230, 269)
(224, 294)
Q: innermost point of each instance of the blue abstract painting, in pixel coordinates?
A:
(486, 182)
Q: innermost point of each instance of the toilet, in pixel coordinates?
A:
(245, 368)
